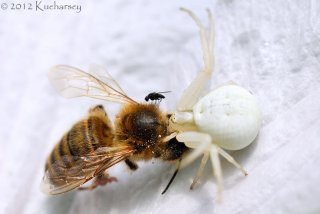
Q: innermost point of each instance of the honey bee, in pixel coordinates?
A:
(93, 145)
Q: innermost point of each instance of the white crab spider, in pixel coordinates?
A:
(226, 118)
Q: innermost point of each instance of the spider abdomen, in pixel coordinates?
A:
(230, 114)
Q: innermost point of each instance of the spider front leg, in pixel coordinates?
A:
(191, 95)
(202, 144)
(199, 142)
(200, 170)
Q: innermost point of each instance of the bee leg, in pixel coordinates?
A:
(91, 187)
(100, 180)
(131, 164)
(104, 178)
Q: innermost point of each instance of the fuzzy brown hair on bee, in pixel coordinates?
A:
(142, 126)
(92, 145)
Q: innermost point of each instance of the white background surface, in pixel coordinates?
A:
(271, 48)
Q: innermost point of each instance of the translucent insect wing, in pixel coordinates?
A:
(60, 178)
(72, 82)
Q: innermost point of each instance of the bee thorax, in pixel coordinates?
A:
(143, 125)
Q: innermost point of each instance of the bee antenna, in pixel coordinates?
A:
(172, 178)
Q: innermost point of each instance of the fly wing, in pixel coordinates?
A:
(60, 177)
(72, 82)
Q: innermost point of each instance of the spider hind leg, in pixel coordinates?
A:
(231, 160)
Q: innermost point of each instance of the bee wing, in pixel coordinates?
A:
(72, 82)
(61, 177)
(105, 76)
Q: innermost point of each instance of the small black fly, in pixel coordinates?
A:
(158, 96)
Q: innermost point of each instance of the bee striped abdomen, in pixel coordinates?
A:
(82, 140)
